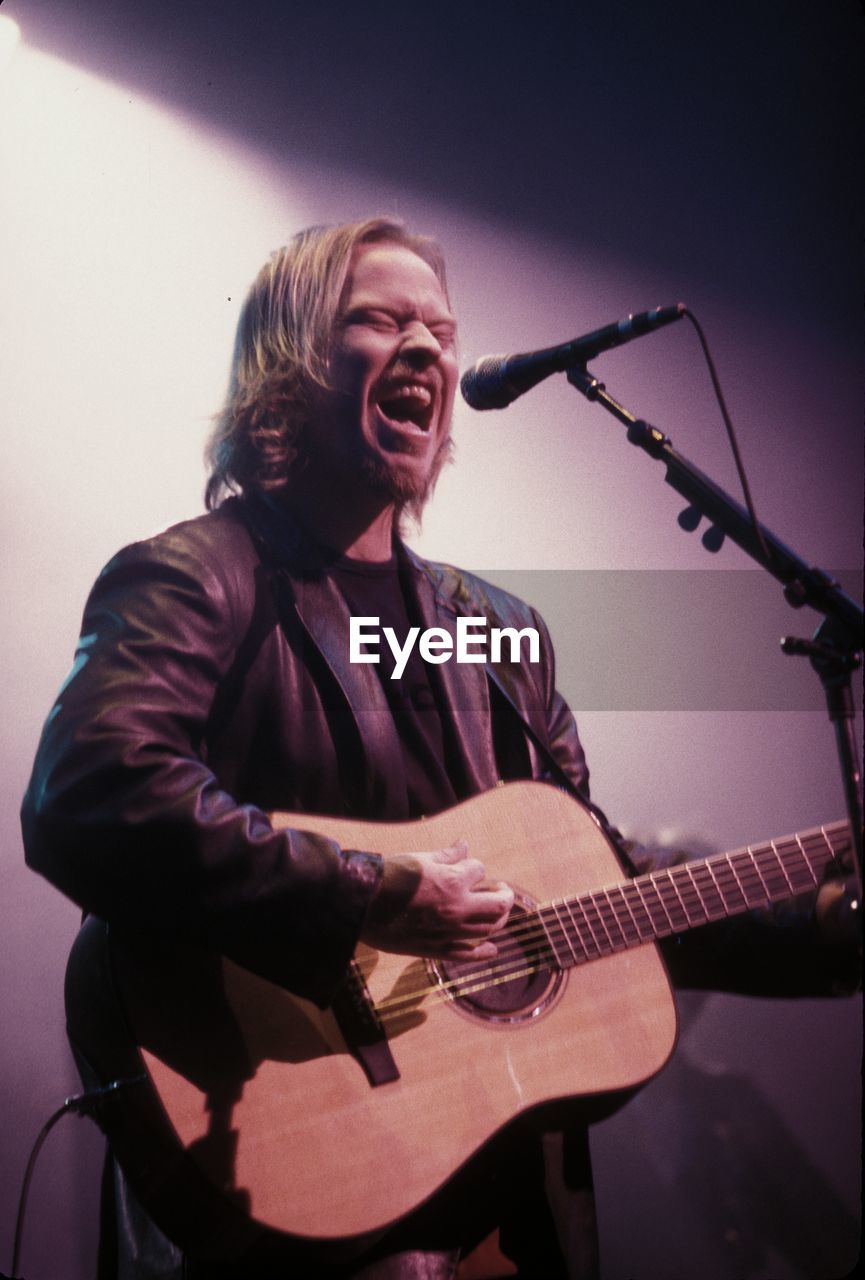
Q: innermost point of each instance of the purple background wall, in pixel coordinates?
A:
(578, 162)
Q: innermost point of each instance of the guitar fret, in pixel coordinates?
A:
(710, 894)
(768, 883)
(824, 843)
(610, 919)
(591, 935)
(660, 926)
(782, 864)
(822, 837)
(740, 881)
(575, 926)
(839, 829)
(622, 921)
(690, 872)
(598, 909)
(564, 932)
(725, 910)
(561, 960)
(639, 885)
(730, 886)
(763, 882)
(670, 901)
(679, 902)
(772, 873)
(807, 859)
(689, 897)
(797, 862)
(630, 891)
(756, 886)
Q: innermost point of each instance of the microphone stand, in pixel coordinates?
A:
(836, 648)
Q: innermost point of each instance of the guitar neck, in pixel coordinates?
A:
(684, 897)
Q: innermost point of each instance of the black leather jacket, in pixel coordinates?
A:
(212, 684)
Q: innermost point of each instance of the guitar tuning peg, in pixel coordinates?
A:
(690, 518)
(713, 538)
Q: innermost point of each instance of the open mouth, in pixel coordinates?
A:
(406, 404)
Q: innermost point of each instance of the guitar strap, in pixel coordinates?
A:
(560, 778)
(554, 769)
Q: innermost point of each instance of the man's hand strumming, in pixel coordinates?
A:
(437, 904)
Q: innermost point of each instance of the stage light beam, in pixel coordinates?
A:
(10, 34)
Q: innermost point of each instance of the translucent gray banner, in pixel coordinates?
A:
(674, 640)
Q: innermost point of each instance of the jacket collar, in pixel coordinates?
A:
(441, 596)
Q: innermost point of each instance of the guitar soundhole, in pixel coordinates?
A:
(518, 984)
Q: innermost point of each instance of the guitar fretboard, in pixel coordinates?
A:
(686, 896)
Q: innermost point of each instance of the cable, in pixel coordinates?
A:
(731, 434)
(82, 1104)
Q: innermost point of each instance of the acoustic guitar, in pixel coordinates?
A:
(249, 1105)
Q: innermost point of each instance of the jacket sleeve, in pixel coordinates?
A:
(793, 949)
(125, 817)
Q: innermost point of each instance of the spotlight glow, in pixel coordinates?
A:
(10, 34)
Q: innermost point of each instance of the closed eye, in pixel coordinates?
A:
(444, 331)
(444, 334)
(382, 321)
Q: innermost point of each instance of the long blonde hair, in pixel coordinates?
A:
(281, 352)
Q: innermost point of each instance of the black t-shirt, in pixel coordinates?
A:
(377, 590)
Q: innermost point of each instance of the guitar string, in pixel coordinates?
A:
(545, 921)
(391, 1017)
(530, 934)
(505, 968)
(463, 985)
(535, 929)
(498, 972)
(390, 1012)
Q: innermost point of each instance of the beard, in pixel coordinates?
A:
(402, 486)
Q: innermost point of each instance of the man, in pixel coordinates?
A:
(213, 686)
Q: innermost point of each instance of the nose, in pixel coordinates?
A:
(419, 345)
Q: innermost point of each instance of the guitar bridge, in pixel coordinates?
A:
(363, 1030)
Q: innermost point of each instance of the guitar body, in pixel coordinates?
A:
(266, 1104)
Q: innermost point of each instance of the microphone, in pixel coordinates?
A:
(495, 381)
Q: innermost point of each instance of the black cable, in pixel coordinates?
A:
(731, 434)
(82, 1104)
